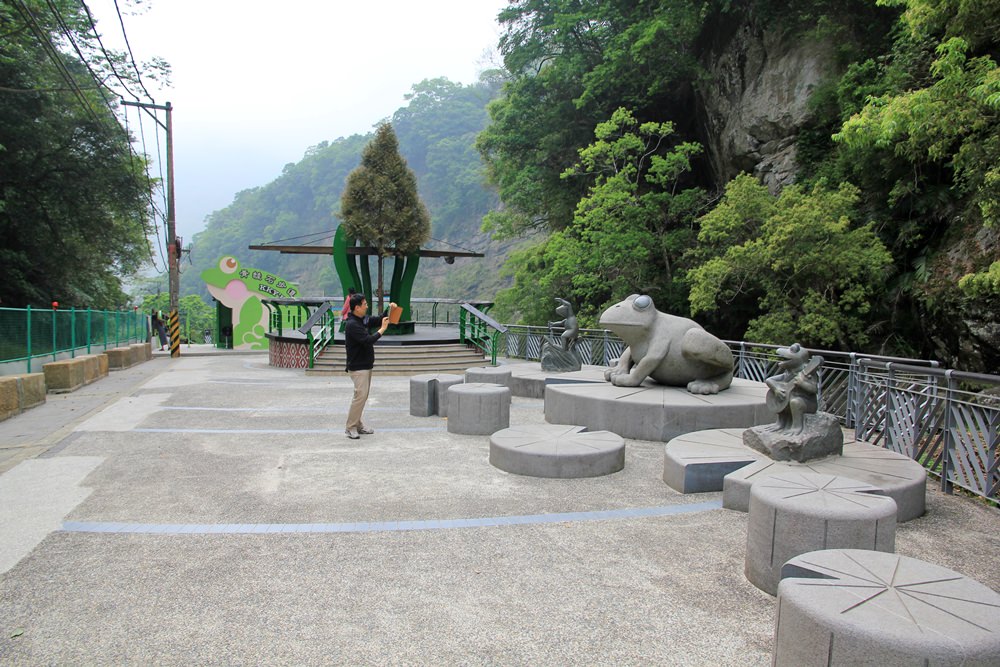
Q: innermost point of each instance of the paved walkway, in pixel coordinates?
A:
(209, 510)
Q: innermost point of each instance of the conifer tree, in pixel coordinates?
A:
(380, 205)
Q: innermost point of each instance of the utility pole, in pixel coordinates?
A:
(173, 245)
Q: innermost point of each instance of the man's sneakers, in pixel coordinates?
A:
(355, 433)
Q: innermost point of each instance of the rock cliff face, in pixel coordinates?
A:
(755, 100)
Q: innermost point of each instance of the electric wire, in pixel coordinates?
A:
(152, 207)
(130, 54)
(61, 22)
(107, 56)
(53, 54)
(330, 232)
(454, 245)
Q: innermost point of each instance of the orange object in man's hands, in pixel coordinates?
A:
(395, 312)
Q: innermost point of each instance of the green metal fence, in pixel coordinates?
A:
(30, 333)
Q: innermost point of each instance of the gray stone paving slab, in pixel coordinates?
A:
(34, 497)
(224, 443)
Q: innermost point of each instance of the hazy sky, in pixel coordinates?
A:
(256, 83)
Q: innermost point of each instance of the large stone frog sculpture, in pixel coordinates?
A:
(671, 350)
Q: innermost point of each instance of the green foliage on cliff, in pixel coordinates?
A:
(899, 188)
(628, 230)
(813, 270)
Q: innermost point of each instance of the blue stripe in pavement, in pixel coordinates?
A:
(417, 429)
(381, 526)
(317, 410)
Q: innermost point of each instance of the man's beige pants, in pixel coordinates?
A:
(362, 383)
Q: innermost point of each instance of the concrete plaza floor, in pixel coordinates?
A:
(210, 510)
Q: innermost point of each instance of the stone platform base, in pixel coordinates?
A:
(550, 450)
(655, 412)
(529, 380)
(698, 462)
(854, 607)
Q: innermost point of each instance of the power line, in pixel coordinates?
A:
(130, 54)
(329, 232)
(107, 56)
(69, 36)
(152, 204)
(453, 245)
(57, 58)
(53, 54)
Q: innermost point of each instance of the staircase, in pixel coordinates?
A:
(405, 359)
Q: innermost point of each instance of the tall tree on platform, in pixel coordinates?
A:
(380, 206)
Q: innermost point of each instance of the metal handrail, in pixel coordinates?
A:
(476, 327)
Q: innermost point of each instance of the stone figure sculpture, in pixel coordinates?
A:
(799, 433)
(557, 353)
(792, 393)
(668, 349)
(570, 328)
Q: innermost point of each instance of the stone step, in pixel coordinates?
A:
(404, 359)
(338, 351)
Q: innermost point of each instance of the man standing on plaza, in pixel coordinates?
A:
(360, 359)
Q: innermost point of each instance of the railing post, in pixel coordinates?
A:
(88, 329)
(54, 344)
(104, 318)
(28, 329)
(850, 409)
(72, 332)
(949, 434)
(743, 361)
(890, 436)
(434, 314)
(117, 328)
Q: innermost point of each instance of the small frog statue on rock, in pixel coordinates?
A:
(558, 354)
(800, 433)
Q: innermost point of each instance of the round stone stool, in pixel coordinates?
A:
(478, 408)
(556, 450)
(495, 374)
(793, 513)
(428, 393)
(853, 607)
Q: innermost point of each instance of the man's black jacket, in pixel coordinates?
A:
(359, 343)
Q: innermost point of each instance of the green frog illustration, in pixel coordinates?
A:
(241, 289)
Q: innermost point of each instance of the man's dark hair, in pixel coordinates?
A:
(356, 300)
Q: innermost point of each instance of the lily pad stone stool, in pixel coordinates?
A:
(854, 607)
(429, 393)
(794, 513)
(557, 450)
(478, 408)
(493, 374)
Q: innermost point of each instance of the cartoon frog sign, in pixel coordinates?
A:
(241, 289)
